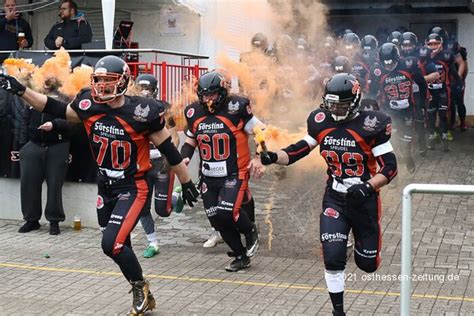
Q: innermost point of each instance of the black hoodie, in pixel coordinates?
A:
(9, 33)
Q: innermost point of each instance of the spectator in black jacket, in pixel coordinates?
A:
(72, 31)
(44, 157)
(11, 25)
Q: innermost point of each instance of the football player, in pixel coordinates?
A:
(441, 62)
(160, 178)
(120, 129)
(219, 125)
(396, 97)
(353, 143)
(410, 61)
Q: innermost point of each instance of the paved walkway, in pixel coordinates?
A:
(287, 275)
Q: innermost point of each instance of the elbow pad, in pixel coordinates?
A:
(388, 165)
(297, 151)
(56, 108)
(169, 150)
(187, 151)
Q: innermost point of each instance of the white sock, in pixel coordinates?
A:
(334, 280)
(152, 239)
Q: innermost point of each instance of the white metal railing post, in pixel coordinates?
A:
(405, 288)
(408, 191)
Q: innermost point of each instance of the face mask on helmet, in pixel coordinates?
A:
(342, 86)
(212, 90)
(435, 43)
(109, 79)
(389, 64)
(106, 86)
(408, 48)
(147, 91)
(339, 110)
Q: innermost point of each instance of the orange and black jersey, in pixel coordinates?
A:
(222, 137)
(118, 137)
(443, 63)
(350, 148)
(396, 89)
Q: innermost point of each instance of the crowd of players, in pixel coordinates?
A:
(418, 82)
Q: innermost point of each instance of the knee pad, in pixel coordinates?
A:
(335, 259)
(366, 264)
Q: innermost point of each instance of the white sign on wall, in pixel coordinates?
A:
(170, 23)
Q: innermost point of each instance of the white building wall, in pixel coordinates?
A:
(146, 31)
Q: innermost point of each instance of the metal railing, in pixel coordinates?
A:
(408, 191)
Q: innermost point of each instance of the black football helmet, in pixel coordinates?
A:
(260, 41)
(342, 96)
(351, 41)
(342, 64)
(109, 79)
(440, 31)
(389, 55)
(147, 85)
(395, 37)
(329, 42)
(215, 81)
(368, 46)
(409, 43)
(435, 42)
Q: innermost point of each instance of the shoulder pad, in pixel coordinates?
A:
(375, 121)
(237, 104)
(319, 116)
(190, 110)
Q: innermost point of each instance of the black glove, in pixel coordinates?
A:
(12, 85)
(268, 157)
(189, 193)
(358, 194)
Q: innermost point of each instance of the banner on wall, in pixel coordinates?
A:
(170, 23)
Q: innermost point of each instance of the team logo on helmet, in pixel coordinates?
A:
(319, 117)
(355, 87)
(85, 104)
(330, 212)
(190, 113)
(377, 72)
(100, 202)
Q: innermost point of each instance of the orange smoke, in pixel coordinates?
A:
(57, 67)
(77, 80)
(21, 69)
(186, 95)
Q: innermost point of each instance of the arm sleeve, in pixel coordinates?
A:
(388, 165)
(85, 36)
(62, 126)
(49, 40)
(297, 151)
